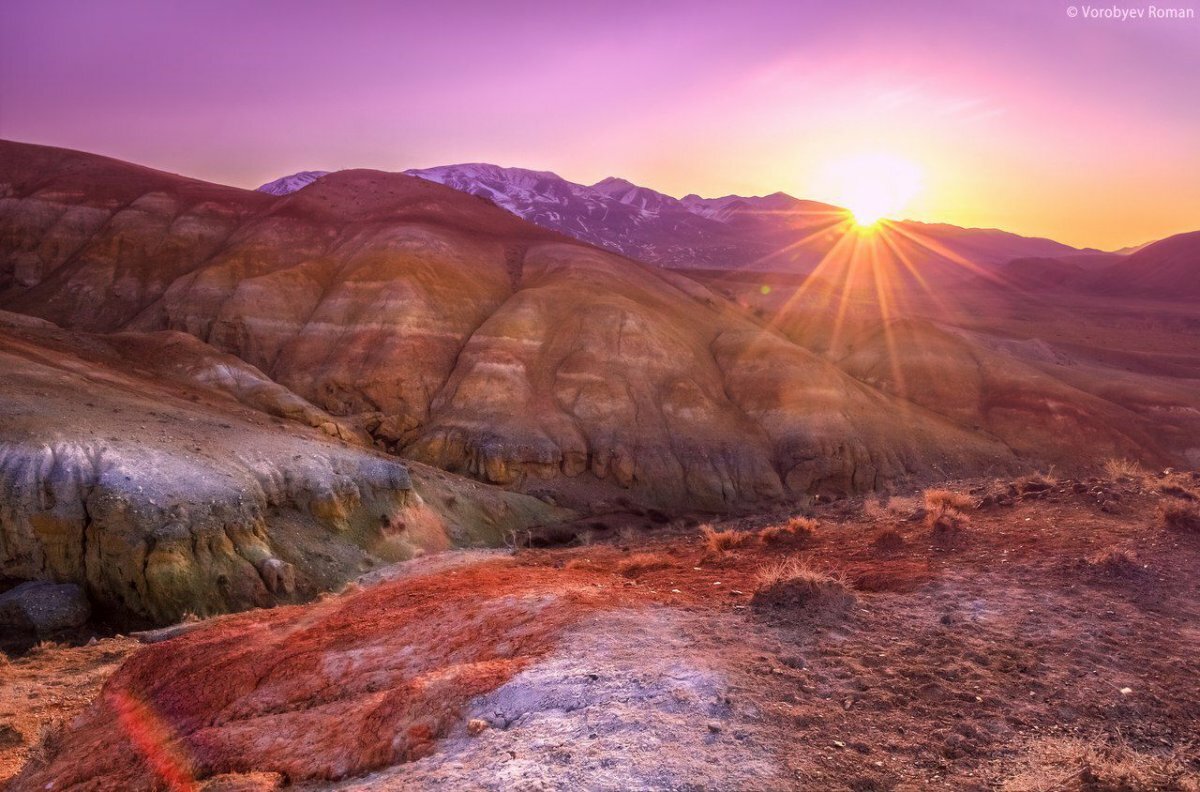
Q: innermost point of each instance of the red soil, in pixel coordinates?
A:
(392, 666)
(955, 663)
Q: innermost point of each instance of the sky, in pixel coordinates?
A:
(1016, 114)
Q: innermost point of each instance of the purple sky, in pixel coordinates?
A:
(1019, 116)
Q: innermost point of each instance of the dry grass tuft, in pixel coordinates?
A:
(716, 541)
(45, 646)
(1072, 765)
(1119, 469)
(936, 499)
(1116, 563)
(796, 529)
(1180, 516)
(903, 506)
(896, 507)
(946, 521)
(794, 584)
(639, 563)
(1036, 482)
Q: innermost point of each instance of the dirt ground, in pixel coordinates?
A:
(1051, 640)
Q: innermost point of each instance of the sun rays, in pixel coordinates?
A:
(867, 277)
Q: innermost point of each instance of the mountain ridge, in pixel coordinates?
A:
(771, 232)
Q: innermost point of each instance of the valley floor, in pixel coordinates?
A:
(1049, 640)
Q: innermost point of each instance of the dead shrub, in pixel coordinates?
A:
(1123, 469)
(639, 563)
(1036, 482)
(943, 498)
(1180, 516)
(892, 508)
(946, 523)
(716, 541)
(45, 646)
(1073, 765)
(797, 529)
(874, 509)
(903, 507)
(794, 585)
(1116, 563)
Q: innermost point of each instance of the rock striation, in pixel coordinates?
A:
(162, 498)
(457, 334)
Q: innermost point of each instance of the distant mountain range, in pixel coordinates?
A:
(774, 232)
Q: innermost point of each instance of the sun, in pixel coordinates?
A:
(872, 186)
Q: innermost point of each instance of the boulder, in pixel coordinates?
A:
(44, 608)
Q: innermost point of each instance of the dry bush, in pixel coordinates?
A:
(719, 541)
(1036, 482)
(1117, 563)
(946, 522)
(45, 646)
(638, 563)
(875, 509)
(794, 530)
(1180, 516)
(1072, 765)
(794, 584)
(936, 499)
(1123, 469)
(903, 507)
(896, 507)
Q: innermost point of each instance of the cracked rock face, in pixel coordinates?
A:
(459, 335)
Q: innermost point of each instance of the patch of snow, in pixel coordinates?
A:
(290, 184)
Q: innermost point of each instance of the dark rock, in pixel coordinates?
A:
(44, 608)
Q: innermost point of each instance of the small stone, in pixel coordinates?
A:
(476, 726)
(714, 727)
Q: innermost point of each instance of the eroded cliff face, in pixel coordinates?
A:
(457, 334)
(163, 497)
(596, 367)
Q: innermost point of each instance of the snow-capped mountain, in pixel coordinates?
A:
(613, 213)
(289, 184)
(771, 232)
